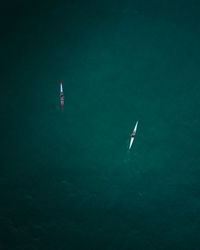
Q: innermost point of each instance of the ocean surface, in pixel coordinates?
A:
(67, 178)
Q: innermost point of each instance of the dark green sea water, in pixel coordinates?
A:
(67, 179)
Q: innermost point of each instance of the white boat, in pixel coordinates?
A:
(61, 95)
(133, 135)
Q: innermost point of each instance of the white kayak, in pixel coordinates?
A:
(133, 135)
(61, 95)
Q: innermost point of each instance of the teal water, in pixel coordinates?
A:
(68, 180)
